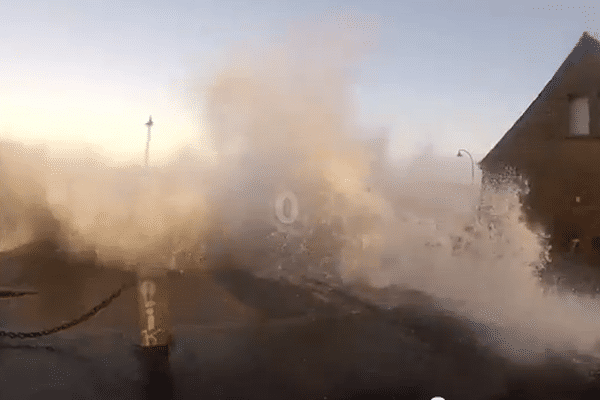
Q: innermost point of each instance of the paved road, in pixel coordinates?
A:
(239, 336)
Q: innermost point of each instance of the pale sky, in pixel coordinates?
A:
(451, 74)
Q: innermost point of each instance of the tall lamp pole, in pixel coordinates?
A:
(460, 151)
(149, 125)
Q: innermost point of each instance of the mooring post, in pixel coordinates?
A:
(155, 333)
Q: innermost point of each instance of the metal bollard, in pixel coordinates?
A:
(154, 350)
(153, 300)
(149, 335)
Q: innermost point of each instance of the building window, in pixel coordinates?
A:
(579, 118)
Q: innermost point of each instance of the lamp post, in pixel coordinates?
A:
(149, 124)
(472, 163)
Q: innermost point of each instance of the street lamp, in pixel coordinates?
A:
(472, 163)
(149, 125)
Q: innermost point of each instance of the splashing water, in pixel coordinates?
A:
(294, 114)
(483, 265)
(288, 109)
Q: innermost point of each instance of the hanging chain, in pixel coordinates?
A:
(72, 323)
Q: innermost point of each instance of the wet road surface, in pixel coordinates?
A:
(238, 336)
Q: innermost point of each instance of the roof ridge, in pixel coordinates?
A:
(583, 46)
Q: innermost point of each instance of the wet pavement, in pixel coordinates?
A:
(239, 336)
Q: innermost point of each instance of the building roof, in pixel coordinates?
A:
(587, 45)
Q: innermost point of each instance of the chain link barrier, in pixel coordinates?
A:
(72, 323)
(10, 294)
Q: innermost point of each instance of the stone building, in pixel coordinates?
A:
(555, 145)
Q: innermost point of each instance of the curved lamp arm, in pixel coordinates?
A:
(460, 151)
